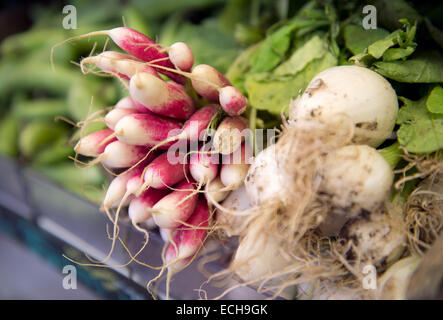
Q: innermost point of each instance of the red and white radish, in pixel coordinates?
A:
(148, 199)
(195, 127)
(187, 240)
(118, 154)
(145, 129)
(116, 196)
(166, 234)
(190, 237)
(139, 207)
(199, 122)
(181, 56)
(216, 191)
(175, 208)
(129, 103)
(91, 145)
(116, 114)
(125, 103)
(207, 81)
(136, 44)
(161, 173)
(203, 166)
(164, 98)
(230, 133)
(134, 184)
(117, 188)
(233, 102)
(235, 167)
(118, 63)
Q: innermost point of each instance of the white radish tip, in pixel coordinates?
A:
(181, 56)
(232, 100)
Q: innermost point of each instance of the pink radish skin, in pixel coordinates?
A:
(90, 145)
(235, 167)
(142, 47)
(136, 181)
(181, 56)
(121, 155)
(117, 188)
(203, 167)
(198, 122)
(195, 126)
(129, 103)
(176, 207)
(145, 129)
(190, 237)
(134, 184)
(161, 173)
(141, 108)
(119, 63)
(160, 97)
(114, 116)
(232, 101)
(207, 81)
(230, 133)
(139, 207)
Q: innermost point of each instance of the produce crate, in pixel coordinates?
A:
(52, 221)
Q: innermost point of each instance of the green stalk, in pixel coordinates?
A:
(392, 154)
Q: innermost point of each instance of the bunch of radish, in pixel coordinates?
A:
(161, 184)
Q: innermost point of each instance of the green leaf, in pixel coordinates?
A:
(358, 39)
(275, 93)
(378, 48)
(315, 48)
(434, 103)
(425, 69)
(397, 45)
(275, 46)
(420, 130)
(273, 49)
(237, 71)
(393, 54)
